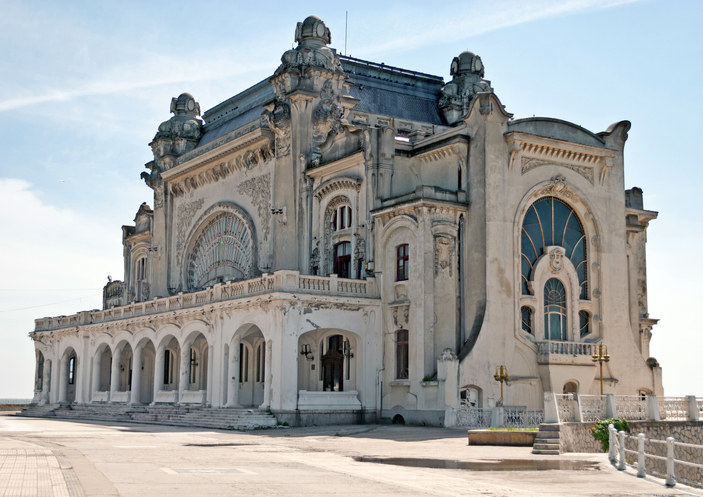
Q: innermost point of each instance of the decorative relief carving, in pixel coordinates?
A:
(557, 187)
(467, 81)
(359, 247)
(278, 121)
(326, 121)
(184, 216)
(345, 183)
(259, 191)
(247, 160)
(443, 254)
(531, 163)
(556, 259)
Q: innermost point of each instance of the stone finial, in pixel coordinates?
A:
(312, 51)
(312, 32)
(179, 134)
(467, 63)
(467, 81)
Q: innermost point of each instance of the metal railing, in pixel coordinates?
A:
(659, 460)
(473, 417)
(280, 281)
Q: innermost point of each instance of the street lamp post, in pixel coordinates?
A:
(600, 356)
(501, 376)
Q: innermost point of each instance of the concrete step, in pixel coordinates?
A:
(546, 452)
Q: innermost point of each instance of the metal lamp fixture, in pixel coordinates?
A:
(307, 351)
(600, 355)
(502, 376)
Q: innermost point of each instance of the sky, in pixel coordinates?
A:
(85, 84)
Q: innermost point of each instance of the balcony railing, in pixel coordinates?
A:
(280, 281)
(559, 352)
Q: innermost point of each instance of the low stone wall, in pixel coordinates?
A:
(576, 437)
(13, 407)
(322, 418)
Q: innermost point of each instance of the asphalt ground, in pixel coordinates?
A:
(50, 457)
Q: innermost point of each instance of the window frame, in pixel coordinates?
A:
(402, 267)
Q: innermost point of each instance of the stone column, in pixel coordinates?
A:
(135, 387)
(46, 382)
(692, 408)
(233, 374)
(158, 372)
(267, 376)
(55, 381)
(115, 373)
(551, 411)
(209, 373)
(610, 410)
(184, 371)
(78, 379)
(652, 408)
(63, 379)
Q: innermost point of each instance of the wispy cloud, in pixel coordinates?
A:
(463, 21)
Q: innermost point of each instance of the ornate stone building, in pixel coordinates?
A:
(347, 240)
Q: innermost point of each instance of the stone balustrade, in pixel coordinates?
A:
(565, 408)
(280, 281)
(561, 352)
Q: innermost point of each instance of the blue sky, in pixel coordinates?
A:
(84, 85)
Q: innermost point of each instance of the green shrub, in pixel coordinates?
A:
(600, 430)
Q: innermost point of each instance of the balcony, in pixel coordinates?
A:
(280, 281)
(570, 353)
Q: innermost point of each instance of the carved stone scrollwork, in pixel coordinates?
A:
(179, 134)
(326, 121)
(312, 36)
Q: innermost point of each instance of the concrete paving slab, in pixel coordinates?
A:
(145, 460)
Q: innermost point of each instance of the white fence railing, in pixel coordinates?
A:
(473, 417)
(566, 408)
(657, 457)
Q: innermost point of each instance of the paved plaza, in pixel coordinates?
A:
(45, 457)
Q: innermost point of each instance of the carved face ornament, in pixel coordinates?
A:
(556, 260)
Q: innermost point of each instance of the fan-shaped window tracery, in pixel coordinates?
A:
(550, 222)
(223, 251)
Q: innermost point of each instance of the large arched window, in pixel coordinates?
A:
(223, 251)
(554, 310)
(551, 222)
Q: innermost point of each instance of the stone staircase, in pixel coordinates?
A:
(39, 411)
(196, 416)
(547, 441)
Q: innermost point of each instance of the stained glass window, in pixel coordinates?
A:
(554, 310)
(549, 222)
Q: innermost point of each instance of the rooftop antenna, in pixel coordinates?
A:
(346, 22)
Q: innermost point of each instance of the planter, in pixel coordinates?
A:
(502, 437)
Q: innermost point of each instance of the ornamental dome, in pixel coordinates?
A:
(312, 31)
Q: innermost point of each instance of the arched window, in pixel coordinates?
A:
(554, 310)
(342, 260)
(223, 251)
(550, 222)
(40, 371)
(72, 370)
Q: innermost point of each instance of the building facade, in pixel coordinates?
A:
(351, 241)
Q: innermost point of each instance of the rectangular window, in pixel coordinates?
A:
(401, 273)
(342, 260)
(401, 354)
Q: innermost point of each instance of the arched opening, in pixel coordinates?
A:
(171, 355)
(125, 369)
(398, 420)
(68, 376)
(39, 373)
(570, 387)
(103, 368)
(251, 367)
(198, 363)
(327, 361)
(471, 396)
